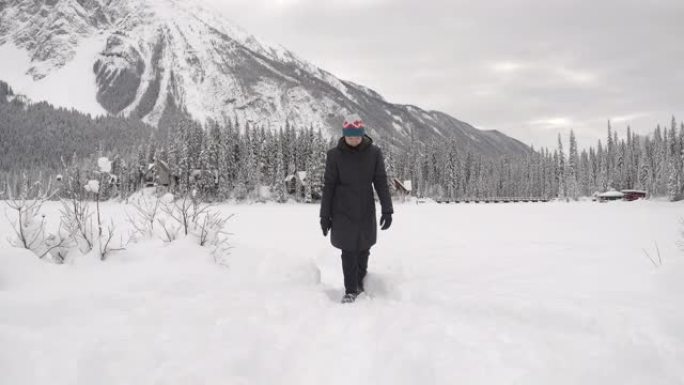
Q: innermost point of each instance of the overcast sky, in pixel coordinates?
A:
(529, 68)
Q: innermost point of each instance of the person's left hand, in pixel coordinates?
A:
(385, 221)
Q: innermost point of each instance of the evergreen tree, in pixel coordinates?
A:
(561, 177)
(573, 163)
(279, 183)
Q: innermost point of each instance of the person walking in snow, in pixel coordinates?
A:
(352, 168)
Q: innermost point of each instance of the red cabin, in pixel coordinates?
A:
(632, 195)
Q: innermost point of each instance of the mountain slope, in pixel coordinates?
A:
(134, 57)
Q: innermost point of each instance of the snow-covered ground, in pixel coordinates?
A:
(538, 293)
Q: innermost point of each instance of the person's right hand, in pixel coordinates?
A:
(385, 221)
(326, 224)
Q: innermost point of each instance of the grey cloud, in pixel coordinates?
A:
(495, 64)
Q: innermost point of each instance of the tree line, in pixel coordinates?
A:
(653, 163)
(249, 162)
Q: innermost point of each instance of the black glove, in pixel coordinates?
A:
(326, 224)
(385, 221)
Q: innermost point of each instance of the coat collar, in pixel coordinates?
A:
(365, 143)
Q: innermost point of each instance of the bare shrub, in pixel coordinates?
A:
(29, 223)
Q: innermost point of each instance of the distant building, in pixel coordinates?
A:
(632, 195)
(403, 188)
(610, 195)
(613, 195)
(294, 181)
(157, 174)
(295, 184)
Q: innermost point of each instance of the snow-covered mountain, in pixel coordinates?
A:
(134, 57)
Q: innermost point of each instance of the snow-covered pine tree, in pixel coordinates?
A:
(122, 176)
(620, 165)
(183, 165)
(468, 174)
(629, 173)
(672, 159)
(224, 166)
(593, 171)
(270, 155)
(672, 183)
(172, 161)
(261, 159)
(602, 177)
(573, 163)
(609, 155)
(481, 179)
(310, 161)
(637, 155)
(615, 177)
(141, 167)
(658, 165)
(279, 182)
(541, 173)
(648, 166)
(538, 169)
(248, 174)
(675, 149)
(452, 171)
(215, 155)
(545, 186)
(232, 157)
(585, 181)
(320, 150)
(308, 155)
(391, 168)
(560, 170)
(430, 166)
(203, 159)
(420, 171)
(556, 175)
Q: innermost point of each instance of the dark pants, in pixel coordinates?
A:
(354, 266)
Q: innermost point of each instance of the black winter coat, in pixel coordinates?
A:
(350, 174)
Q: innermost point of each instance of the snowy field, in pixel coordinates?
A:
(536, 293)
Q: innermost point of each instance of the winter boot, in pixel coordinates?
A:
(349, 297)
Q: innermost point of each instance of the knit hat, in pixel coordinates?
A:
(355, 128)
